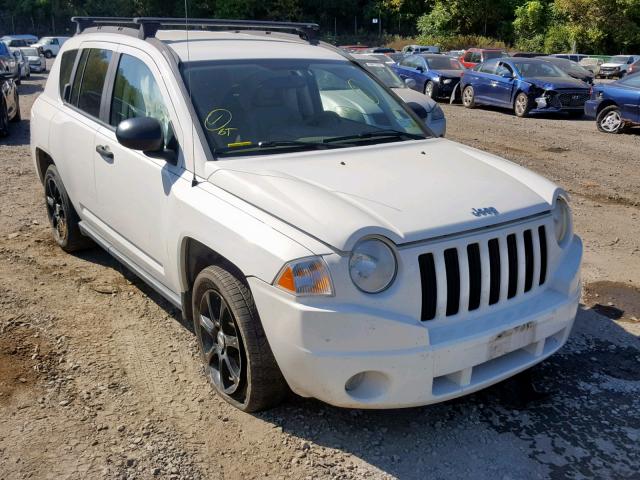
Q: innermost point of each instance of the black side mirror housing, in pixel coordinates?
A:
(418, 109)
(141, 133)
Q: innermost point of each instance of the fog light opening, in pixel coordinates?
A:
(542, 102)
(367, 385)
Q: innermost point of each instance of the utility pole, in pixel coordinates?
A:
(380, 21)
(355, 25)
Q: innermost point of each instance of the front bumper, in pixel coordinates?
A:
(403, 362)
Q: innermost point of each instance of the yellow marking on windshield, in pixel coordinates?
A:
(238, 144)
(218, 121)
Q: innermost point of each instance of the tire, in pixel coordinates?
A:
(18, 116)
(4, 118)
(234, 348)
(430, 90)
(522, 105)
(48, 54)
(18, 81)
(609, 120)
(62, 216)
(468, 97)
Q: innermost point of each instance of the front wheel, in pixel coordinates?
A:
(18, 115)
(430, 89)
(609, 120)
(468, 97)
(48, 54)
(522, 105)
(236, 354)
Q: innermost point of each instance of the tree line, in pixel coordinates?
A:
(589, 26)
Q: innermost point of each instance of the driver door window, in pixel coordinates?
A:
(136, 94)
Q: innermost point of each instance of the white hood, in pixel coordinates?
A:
(405, 191)
(612, 65)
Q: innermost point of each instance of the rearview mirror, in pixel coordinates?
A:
(418, 110)
(141, 133)
(410, 82)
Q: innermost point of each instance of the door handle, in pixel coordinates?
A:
(104, 151)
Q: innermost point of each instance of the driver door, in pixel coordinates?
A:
(503, 86)
(134, 189)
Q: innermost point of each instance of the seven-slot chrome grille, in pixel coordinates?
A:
(480, 273)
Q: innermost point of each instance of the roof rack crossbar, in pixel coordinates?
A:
(149, 26)
(82, 23)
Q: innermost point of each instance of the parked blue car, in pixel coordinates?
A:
(615, 105)
(434, 75)
(525, 85)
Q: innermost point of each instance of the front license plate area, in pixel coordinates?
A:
(512, 339)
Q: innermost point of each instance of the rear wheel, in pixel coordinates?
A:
(48, 54)
(609, 120)
(521, 106)
(468, 97)
(62, 216)
(236, 355)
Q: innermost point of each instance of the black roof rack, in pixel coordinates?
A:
(149, 26)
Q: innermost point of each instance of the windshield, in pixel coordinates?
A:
(30, 52)
(443, 62)
(539, 69)
(252, 106)
(619, 59)
(384, 74)
(494, 54)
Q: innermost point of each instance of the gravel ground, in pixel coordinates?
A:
(100, 379)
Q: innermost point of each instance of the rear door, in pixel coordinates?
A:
(134, 189)
(72, 130)
(485, 78)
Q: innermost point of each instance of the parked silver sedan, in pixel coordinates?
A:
(37, 62)
(435, 119)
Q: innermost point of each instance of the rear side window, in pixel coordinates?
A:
(66, 67)
(94, 73)
(489, 66)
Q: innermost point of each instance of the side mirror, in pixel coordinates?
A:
(420, 69)
(507, 75)
(410, 82)
(418, 110)
(141, 133)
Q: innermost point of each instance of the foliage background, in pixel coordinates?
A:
(587, 26)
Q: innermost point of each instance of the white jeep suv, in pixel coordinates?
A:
(348, 256)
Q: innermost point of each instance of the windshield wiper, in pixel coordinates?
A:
(376, 134)
(278, 144)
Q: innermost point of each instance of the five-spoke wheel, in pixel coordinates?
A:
(220, 342)
(235, 351)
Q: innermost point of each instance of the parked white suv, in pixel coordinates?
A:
(50, 46)
(351, 257)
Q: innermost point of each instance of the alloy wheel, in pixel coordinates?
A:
(220, 342)
(521, 104)
(55, 209)
(467, 96)
(611, 122)
(428, 90)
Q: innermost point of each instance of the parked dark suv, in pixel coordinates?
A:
(8, 63)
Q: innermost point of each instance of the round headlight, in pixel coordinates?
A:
(562, 220)
(372, 265)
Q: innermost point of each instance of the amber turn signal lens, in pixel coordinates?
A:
(305, 277)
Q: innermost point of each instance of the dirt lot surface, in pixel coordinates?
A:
(100, 379)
